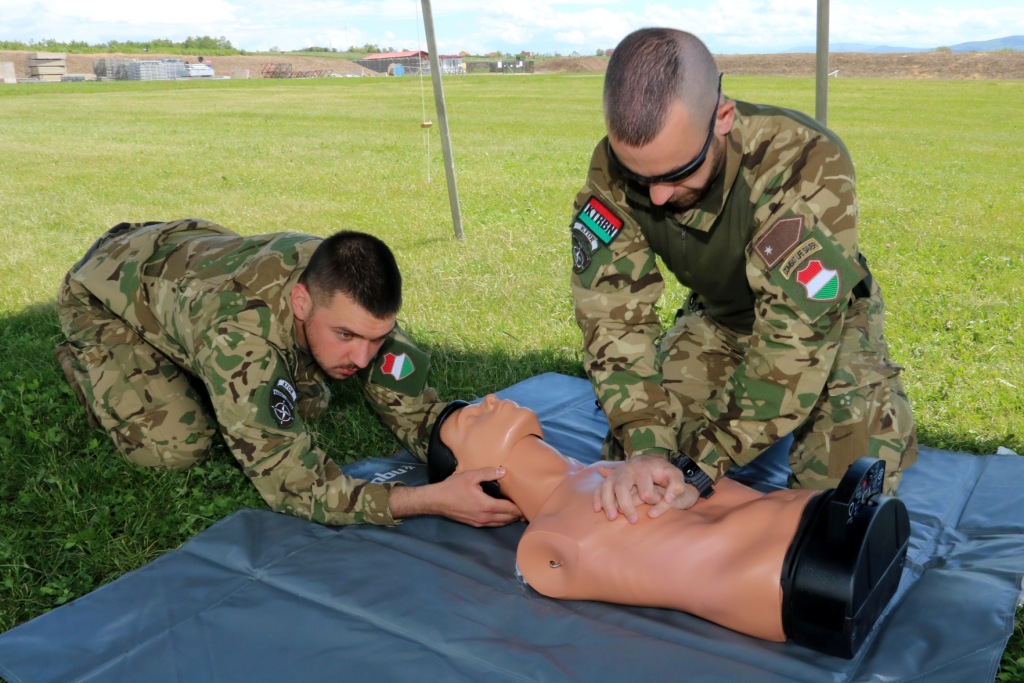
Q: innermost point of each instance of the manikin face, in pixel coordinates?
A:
(342, 336)
(482, 435)
(678, 145)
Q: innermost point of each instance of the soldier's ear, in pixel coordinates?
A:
(725, 117)
(302, 302)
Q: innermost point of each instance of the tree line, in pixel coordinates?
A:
(198, 45)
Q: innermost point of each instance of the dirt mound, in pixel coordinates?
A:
(931, 65)
(951, 65)
(571, 65)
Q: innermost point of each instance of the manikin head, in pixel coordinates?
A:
(498, 433)
(484, 434)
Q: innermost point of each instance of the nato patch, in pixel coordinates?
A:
(779, 239)
(282, 403)
(601, 220)
(584, 244)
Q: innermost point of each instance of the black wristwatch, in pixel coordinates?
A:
(694, 475)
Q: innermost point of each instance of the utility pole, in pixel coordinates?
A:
(442, 115)
(821, 64)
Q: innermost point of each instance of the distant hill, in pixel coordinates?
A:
(1007, 43)
(863, 47)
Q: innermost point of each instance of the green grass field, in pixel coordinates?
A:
(941, 188)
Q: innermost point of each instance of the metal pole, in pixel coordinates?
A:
(821, 83)
(442, 115)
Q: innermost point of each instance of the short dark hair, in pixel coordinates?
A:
(358, 265)
(649, 69)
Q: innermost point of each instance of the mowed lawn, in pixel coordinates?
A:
(940, 169)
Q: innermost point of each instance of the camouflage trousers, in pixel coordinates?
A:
(156, 414)
(849, 419)
(153, 411)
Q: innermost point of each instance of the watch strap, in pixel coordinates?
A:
(694, 475)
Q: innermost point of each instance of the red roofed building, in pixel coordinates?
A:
(410, 63)
(405, 63)
(392, 56)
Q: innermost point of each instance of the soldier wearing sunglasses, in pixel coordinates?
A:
(753, 208)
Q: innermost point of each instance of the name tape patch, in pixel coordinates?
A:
(799, 255)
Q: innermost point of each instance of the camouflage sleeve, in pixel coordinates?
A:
(802, 267)
(255, 400)
(615, 285)
(395, 384)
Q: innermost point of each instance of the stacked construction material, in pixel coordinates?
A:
(7, 74)
(199, 70)
(156, 70)
(46, 66)
(111, 68)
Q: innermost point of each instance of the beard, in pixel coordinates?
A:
(312, 345)
(686, 199)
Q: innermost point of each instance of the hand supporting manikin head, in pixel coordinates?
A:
(499, 433)
(725, 559)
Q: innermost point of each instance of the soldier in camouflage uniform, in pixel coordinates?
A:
(178, 330)
(782, 333)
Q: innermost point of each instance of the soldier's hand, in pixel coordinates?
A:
(463, 499)
(649, 479)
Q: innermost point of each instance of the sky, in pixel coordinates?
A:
(512, 26)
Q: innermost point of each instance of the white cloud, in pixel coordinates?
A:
(857, 23)
(181, 12)
(535, 25)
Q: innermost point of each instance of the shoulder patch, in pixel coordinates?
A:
(817, 274)
(584, 244)
(282, 403)
(275, 404)
(400, 366)
(779, 240)
(820, 283)
(799, 255)
(602, 221)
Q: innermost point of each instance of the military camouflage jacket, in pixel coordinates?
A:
(218, 306)
(772, 252)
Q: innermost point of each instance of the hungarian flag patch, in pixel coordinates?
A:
(398, 365)
(816, 275)
(820, 283)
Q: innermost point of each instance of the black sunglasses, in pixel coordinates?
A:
(684, 171)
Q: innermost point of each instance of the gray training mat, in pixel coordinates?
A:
(266, 597)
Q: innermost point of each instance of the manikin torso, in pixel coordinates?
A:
(720, 559)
